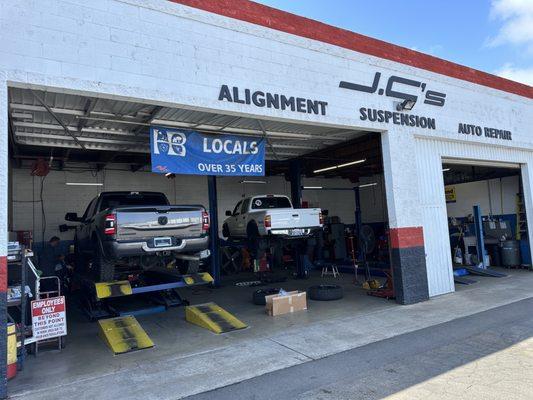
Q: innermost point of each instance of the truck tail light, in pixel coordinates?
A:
(205, 221)
(110, 227)
(268, 221)
(320, 218)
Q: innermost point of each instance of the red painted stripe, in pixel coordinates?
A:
(3, 274)
(269, 17)
(401, 238)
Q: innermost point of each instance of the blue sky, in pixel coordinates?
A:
(493, 36)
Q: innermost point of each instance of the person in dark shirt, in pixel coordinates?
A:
(50, 256)
(52, 263)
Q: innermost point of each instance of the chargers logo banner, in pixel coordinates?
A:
(181, 151)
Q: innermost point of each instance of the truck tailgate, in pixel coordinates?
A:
(143, 223)
(295, 218)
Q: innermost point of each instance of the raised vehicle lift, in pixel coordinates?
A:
(104, 299)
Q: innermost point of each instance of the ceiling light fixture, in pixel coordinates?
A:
(368, 185)
(339, 166)
(446, 169)
(83, 184)
(313, 187)
(254, 182)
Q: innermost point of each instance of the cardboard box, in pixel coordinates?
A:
(291, 302)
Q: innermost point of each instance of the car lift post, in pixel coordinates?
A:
(478, 227)
(358, 221)
(295, 176)
(213, 229)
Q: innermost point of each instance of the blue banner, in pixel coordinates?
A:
(181, 151)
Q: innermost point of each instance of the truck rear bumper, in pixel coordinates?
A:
(293, 233)
(116, 250)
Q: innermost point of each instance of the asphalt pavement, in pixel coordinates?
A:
(488, 355)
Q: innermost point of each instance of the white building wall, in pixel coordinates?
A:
(495, 196)
(3, 170)
(163, 52)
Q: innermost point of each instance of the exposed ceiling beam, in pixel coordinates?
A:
(59, 121)
(61, 111)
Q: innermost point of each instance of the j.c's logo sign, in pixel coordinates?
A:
(394, 88)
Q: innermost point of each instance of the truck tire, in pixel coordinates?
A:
(325, 292)
(225, 231)
(252, 234)
(258, 296)
(80, 262)
(186, 267)
(105, 269)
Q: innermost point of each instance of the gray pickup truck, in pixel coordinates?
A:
(125, 232)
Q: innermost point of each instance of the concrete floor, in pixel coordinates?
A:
(188, 359)
(485, 356)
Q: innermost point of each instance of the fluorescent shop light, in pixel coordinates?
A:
(313, 187)
(83, 184)
(254, 182)
(339, 166)
(368, 185)
(446, 169)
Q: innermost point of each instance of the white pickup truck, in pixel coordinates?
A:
(267, 215)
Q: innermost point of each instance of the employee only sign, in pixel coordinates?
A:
(48, 318)
(189, 152)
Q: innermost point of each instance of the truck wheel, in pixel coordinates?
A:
(252, 234)
(225, 231)
(104, 268)
(325, 292)
(79, 259)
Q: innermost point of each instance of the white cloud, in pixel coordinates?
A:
(517, 23)
(516, 17)
(523, 75)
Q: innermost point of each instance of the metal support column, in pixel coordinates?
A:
(478, 226)
(23, 307)
(213, 229)
(358, 222)
(295, 176)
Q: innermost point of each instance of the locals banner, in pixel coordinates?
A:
(181, 151)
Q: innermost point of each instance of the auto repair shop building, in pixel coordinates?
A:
(240, 67)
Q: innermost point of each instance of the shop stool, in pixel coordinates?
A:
(326, 270)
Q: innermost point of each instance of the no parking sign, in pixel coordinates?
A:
(48, 318)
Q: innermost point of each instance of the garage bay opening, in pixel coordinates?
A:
(144, 256)
(488, 227)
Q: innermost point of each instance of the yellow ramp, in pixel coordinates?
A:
(213, 317)
(105, 290)
(124, 334)
(197, 279)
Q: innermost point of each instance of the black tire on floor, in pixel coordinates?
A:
(325, 292)
(104, 267)
(259, 295)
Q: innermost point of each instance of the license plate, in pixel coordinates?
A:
(162, 242)
(296, 232)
